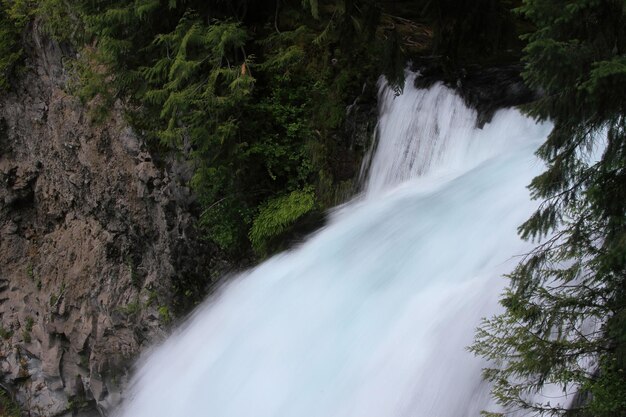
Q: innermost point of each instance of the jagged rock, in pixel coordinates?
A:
(93, 237)
(486, 89)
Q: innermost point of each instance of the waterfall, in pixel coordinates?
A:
(371, 316)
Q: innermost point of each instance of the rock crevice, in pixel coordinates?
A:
(93, 238)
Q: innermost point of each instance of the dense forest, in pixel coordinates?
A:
(254, 94)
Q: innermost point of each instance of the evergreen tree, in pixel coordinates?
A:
(13, 19)
(565, 318)
(253, 92)
(468, 30)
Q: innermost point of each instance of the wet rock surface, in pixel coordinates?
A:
(486, 89)
(93, 239)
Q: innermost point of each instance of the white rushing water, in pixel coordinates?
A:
(371, 316)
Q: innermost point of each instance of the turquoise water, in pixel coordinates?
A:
(371, 315)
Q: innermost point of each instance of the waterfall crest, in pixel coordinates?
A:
(370, 316)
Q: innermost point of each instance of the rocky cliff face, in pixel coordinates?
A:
(93, 238)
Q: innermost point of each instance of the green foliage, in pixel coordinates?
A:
(26, 336)
(164, 314)
(469, 30)
(30, 271)
(12, 23)
(152, 298)
(91, 83)
(19, 11)
(131, 309)
(77, 403)
(277, 215)
(608, 389)
(5, 334)
(58, 17)
(61, 20)
(29, 323)
(252, 93)
(248, 119)
(8, 407)
(564, 320)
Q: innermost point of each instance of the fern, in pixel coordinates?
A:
(255, 125)
(313, 7)
(144, 8)
(278, 214)
(13, 19)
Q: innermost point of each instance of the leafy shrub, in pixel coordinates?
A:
(164, 314)
(29, 323)
(8, 407)
(277, 215)
(10, 43)
(5, 334)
